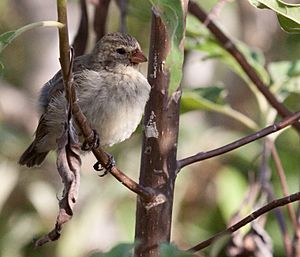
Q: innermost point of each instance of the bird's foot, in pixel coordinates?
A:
(111, 163)
(92, 142)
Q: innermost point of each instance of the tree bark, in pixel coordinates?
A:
(160, 135)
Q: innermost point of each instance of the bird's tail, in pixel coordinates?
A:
(31, 157)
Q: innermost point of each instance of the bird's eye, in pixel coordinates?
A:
(121, 51)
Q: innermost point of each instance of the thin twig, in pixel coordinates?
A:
(100, 17)
(146, 194)
(81, 37)
(254, 215)
(238, 143)
(283, 182)
(122, 4)
(296, 239)
(64, 46)
(267, 188)
(215, 11)
(229, 45)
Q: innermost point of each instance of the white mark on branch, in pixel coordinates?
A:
(151, 130)
(163, 63)
(157, 171)
(176, 96)
(148, 150)
(159, 199)
(155, 65)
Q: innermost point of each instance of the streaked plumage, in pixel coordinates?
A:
(112, 94)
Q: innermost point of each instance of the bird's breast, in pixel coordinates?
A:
(114, 103)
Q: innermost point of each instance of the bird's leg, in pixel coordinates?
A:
(93, 141)
(111, 163)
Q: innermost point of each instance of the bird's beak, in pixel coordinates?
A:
(137, 57)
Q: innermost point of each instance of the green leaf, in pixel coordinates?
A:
(170, 250)
(212, 99)
(194, 28)
(213, 50)
(257, 4)
(288, 14)
(7, 37)
(284, 70)
(255, 58)
(121, 250)
(172, 14)
(292, 101)
(231, 184)
(285, 77)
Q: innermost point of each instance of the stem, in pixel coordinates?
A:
(254, 215)
(81, 37)
(267, 189)
(64, 46)
(238, 143)
(195, 10)
(79, 117)
(158, 164)
(283, 182)
(123, 11)
(100, 18)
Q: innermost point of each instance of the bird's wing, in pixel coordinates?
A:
(55, 86)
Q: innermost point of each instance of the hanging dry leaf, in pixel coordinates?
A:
(68, 165)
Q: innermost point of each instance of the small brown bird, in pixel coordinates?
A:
(111, 92)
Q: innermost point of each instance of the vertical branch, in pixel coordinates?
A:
(68, 159)
(229, 46)
(122, 4)
(267, 188)
(64, 47)
(81, 37)
(283, 181)
(296, 239)
(100, 17)
(158, 164)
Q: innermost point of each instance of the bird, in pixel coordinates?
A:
(111, 91)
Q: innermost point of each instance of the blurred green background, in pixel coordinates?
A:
(207, 194)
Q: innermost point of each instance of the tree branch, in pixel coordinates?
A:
(81, 37)
(281, 173)
(64, 46)
(227, 44)
(238, 143)
(100, 17)
(122, 4)
(267, 189)
(254, 215)
(146, 194)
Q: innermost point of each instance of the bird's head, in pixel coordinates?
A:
(118, 48)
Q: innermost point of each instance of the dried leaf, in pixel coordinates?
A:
(68, 165)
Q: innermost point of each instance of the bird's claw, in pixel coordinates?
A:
(92, 142)
(109, 165)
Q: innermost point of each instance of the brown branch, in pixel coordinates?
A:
(81, 37)
(238, 143)
(160, 138)
(64, 46)
(265, 176)
(283, 182)
(296, 239)
(254, 215)
(68, 160)
(216, 10)
(122, 4)
(146, 194)
(100, 17)
(229, 45)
